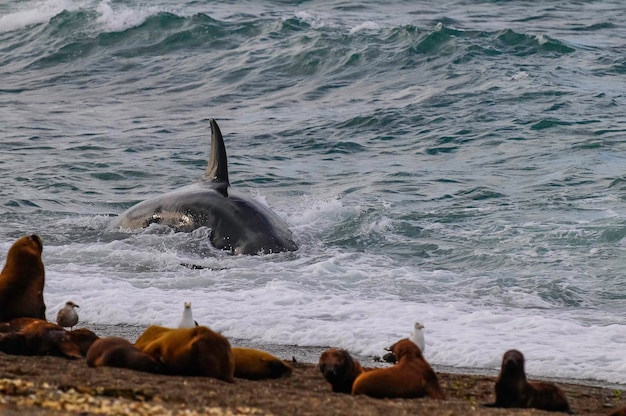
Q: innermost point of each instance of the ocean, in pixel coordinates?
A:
(461, 164)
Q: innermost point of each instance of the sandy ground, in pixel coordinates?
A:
(58, 386)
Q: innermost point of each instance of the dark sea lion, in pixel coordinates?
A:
(84, 338)
(119, 352)
(16, 324)
(197, 351)
(410, 377)
(22, 281)
(514, 391)
(619, 412)
(39, 337)
(253, 364)
(238, 224)
(339, 369)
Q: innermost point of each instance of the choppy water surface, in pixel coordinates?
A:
(460, 164)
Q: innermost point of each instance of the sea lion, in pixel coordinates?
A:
(16, 324)
(339, 369)
(67, 316)
(238, 224)
(513, 390)
(410, 377)
(254, 364)
(84, 338)
(119, 352)
(619, 412)
(197, 351)
(39, 337)
(22, 281)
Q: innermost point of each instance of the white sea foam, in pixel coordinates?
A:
(348, 300)
(282, 309)
(34, 13)
(311, 19)
(119, 18)
(369, 25)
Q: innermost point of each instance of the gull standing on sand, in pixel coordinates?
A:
(67, 316)
(187, 319)
(417, 336)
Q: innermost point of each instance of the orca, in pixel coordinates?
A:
(238, 224)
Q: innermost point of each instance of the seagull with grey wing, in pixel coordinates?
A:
(67, 316)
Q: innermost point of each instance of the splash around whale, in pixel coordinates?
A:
(238, 224)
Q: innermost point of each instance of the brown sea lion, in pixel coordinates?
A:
(513, 390)
(150, 334)
(339, 369)
(22, 280)
(410, 377)
(84, 338)
(119, 352)
(197, 351)
(619, 412)
(39, 337)
(254, 364)
(16, 324)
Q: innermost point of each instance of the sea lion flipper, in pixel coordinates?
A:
(217, 169)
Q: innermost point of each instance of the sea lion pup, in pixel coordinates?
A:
(513, 390)
(339, 369)
(39, 337)
(22, 280)
(67, 316)
(410, 377)
(197, 351)
(119, 352)
(254, 364)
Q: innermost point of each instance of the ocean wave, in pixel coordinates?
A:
(296, 47)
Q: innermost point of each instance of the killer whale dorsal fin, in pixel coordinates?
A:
(217, 169)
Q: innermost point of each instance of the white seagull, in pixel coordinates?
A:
(187, 319)
(417, 336)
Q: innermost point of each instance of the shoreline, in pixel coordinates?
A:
(48, 385)
(310, 355)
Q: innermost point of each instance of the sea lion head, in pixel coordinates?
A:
(25, 249)
(406, 348)
(513, 362)
(335, 364)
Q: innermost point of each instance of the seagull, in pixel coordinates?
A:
(187, 319)
(67, 316)
(417, 336)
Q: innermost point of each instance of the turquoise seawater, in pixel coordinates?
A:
(459, 164)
